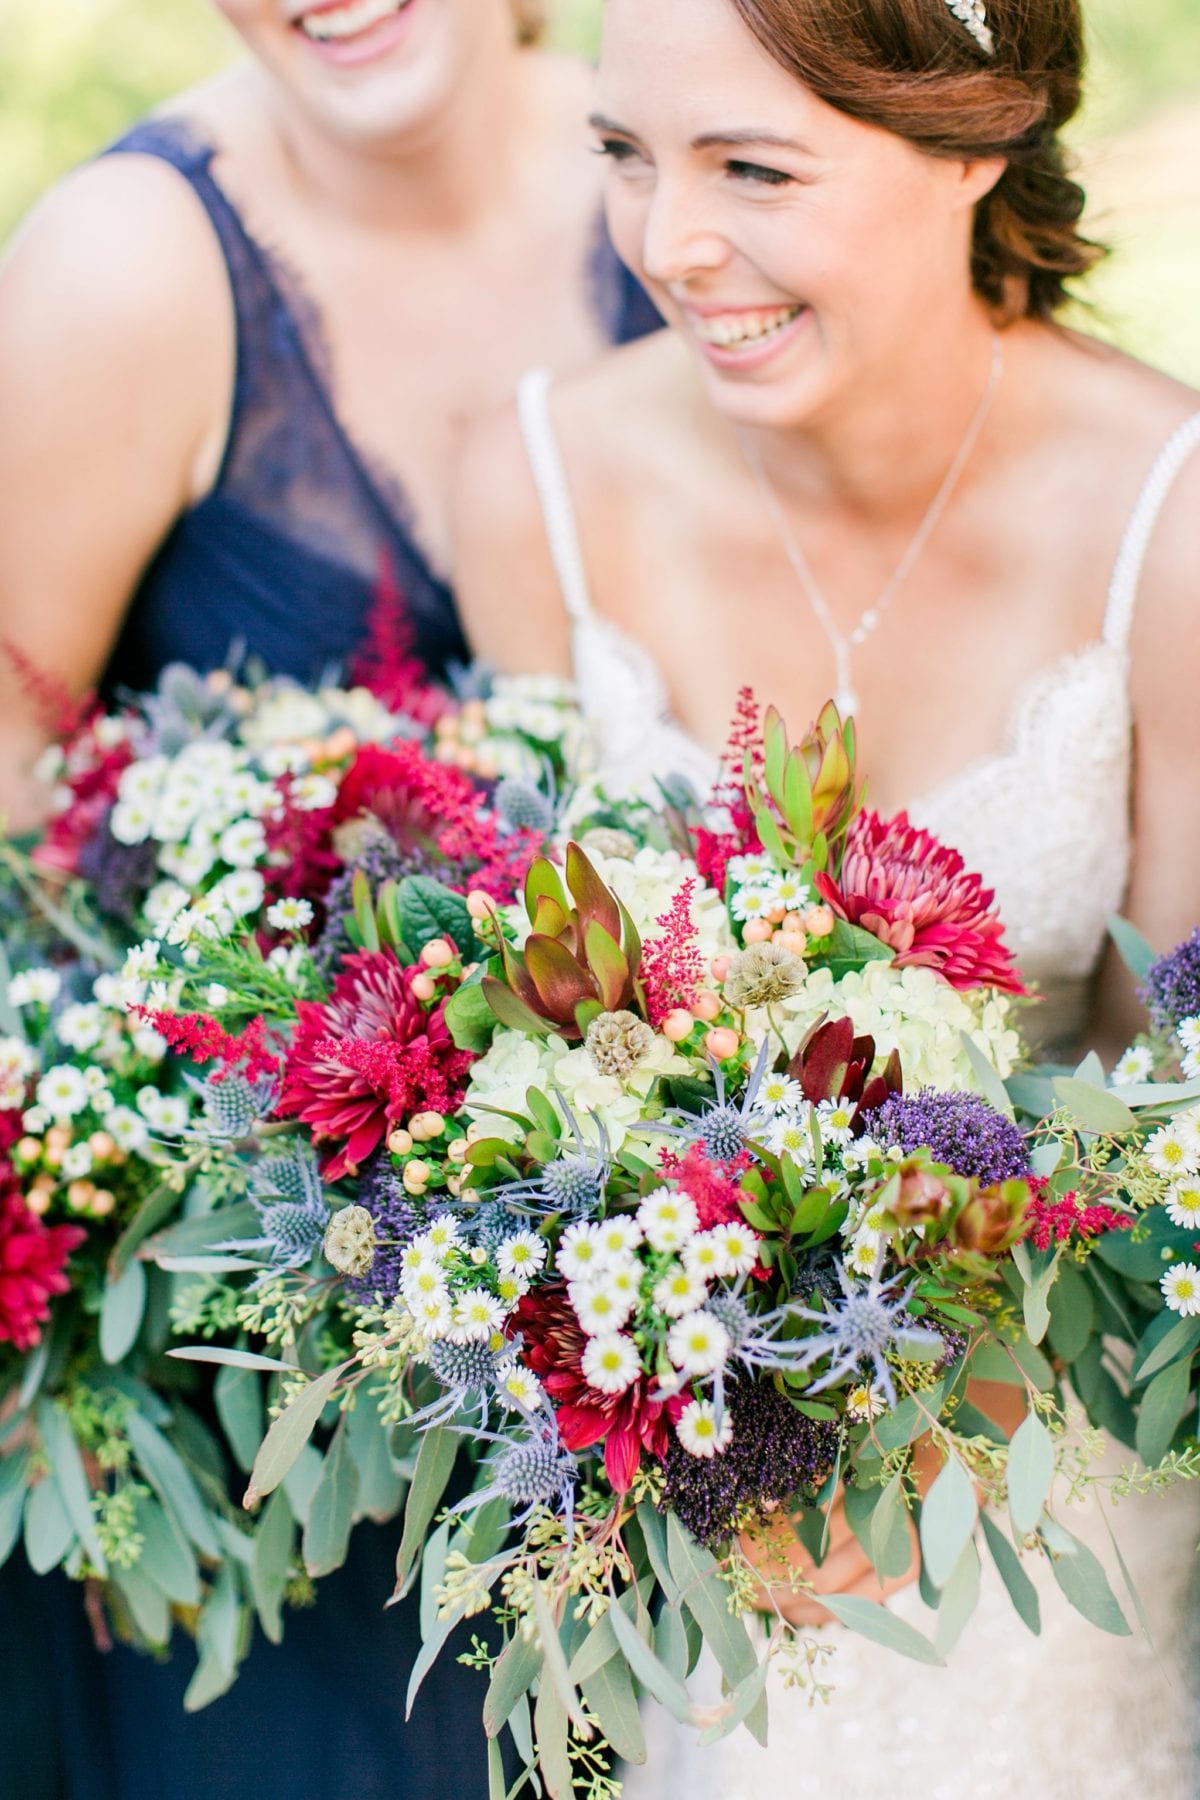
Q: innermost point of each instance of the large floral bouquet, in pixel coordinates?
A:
(211, 810)
(657, 1165)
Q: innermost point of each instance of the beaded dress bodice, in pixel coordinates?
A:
(1045, 819)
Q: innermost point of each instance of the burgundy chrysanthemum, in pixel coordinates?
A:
(33, 1260)
(915, 894)
(368, 1057)
(553, 1344)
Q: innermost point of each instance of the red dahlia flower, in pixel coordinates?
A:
(368, 1057)
(33, 1259)
(915, 894)
(553, 1346)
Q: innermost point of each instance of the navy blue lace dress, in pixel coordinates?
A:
(284, 556)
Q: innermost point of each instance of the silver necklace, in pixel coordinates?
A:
(844, 644)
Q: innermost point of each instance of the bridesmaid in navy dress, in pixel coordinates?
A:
(234, 355)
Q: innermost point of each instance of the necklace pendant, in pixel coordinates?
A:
(846, 701)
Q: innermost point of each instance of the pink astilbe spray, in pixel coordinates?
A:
(201, 1037)
(715, 849)
(672, 966)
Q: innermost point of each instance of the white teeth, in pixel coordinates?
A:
(733, 330)
(348, 21)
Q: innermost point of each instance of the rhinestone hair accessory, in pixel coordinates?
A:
(973, 14)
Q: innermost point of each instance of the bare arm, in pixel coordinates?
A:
(508, 592)
(1164, 894)
(116, 369)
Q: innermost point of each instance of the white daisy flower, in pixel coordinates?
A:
(751, 871)
(126, 1128)
(424, 1283)
(106, 990)
(521, 1255)
(149, 1044)
(131, 821)
(863, 1255)
(216, 995)
(164, 900)
(141, 962)
(517, 1386)
(866, 1401)
(618, 1237)
(752, 903)
(242, 843)
(16, 1058)
(698, 1344)
(290, 914)
(102, 1101)
(1172, 1151)
(791, 1135)
(34, 987)
(598, 1305)
(77, 1163)
(312, 793)
(35, 1120)
(1136, 1064)
(432, 1313)
(790, 891)
(80, 1027)
(478, 1316)
(419, 1254)
(242, 891)
(443, 1235)
(188, 863)
(737, 1247)
(95, 1080)
(779, 1093)
(702, 1256)
(1182, 1202)
(1188, 1034)
(625, 1280)
(668, 1219)
(579, 1251)
(835, 1120)
(1181, 1288)
(62, 1091)
(611, 1362)
(1188, 1124)
(697, 1429)
(163, 1113)
(681, 1290)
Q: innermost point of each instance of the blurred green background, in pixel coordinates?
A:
(73, 73)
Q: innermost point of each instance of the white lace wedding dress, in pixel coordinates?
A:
(1073, 1714)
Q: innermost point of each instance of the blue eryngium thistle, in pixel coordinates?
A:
(573, 1184)
(869, 1321)
(289, 1201)
(725, 1128)
(536, 1470)
(468, 1374)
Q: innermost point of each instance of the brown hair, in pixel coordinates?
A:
(530, 16)
(911, 67)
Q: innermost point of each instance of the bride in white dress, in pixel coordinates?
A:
(867, 461)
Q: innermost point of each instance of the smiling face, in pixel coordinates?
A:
(368, 71)
(797, 250)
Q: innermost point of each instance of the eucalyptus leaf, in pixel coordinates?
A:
(147, 1603)
(610, 1696)
(1021, 1591)
(121, 1312)
(1095, 1109)
(1180, 1338)
(300, 1482)
(960, 1596)
(555, 1662)
(430, 1650)
(167, 1557)
(172, 1481)
(1133, 949)
(1162, 1407)
(872, 1621)
(743, 1700)
(70, 1477)
(890, 1546)
(550, 1728)
(1030, 1471)
(513, 1674)
(271, 1567)
(210, 1681)
(331, 1513)
(671, 1642)
(987, 1078)
(898, 1428)
(289, 1433)
(706, 1598)
(381, 1485)
(654, 1535)
(239, 1403)
(231, 1359)
(14, 1473)
(1080, 1574)
(654, 1677)
(48, 1530)
(948, 1517)
(431, 1477)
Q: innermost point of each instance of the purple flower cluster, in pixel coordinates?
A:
(961, 1130)
(776, 1455)
(382, 1193)
(121, 873)
(1172, 990)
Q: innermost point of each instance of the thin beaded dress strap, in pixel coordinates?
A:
(550, 479)
(1127, 571)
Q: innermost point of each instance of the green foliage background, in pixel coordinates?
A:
(74, 73)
